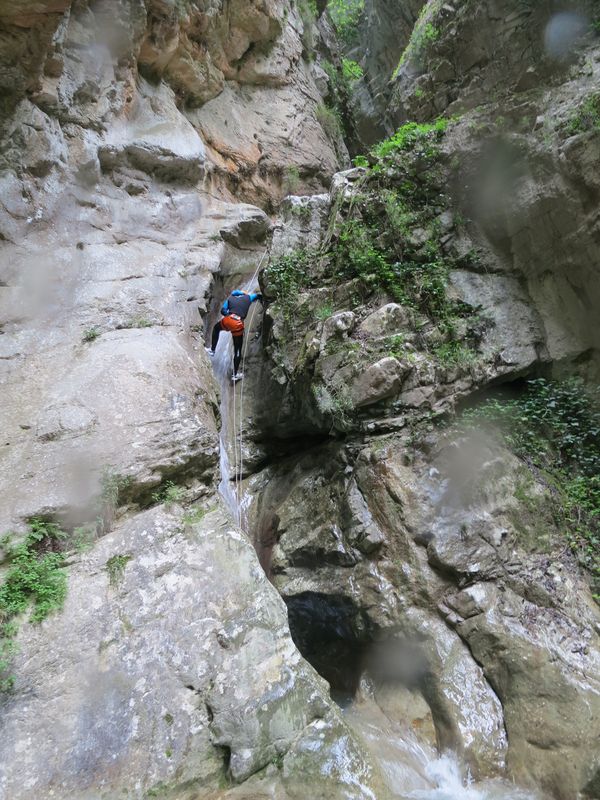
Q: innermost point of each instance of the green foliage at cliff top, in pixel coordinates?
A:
(391, 238)
(411, 136)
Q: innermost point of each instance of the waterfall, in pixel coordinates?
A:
(412, 769)
(222, 362)
(232, 416)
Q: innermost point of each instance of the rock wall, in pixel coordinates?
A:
(143, 146)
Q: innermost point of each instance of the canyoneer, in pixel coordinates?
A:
(234, 310)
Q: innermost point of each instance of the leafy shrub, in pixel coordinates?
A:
(292, 179)
(324, 312)
(112, 489)
(115, 567)
(286, 275)
(91, 334)
(334, 403)
(399, 195)
(453, 354)
(351, 70)
(346, 15)
(35, 579)
(169, 493)
(412, 136)
(586, 118)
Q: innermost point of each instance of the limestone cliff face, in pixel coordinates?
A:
(145, 150)
(114, 154)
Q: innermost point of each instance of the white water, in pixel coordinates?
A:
(222, 365)
(449, 784)
(411, 768)
(232, 395)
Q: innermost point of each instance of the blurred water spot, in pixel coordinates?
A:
(562, 33)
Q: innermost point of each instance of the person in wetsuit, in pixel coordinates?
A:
(234, 310)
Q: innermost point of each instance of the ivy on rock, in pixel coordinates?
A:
(554, 426)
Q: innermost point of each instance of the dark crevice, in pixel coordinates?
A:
(332, 633)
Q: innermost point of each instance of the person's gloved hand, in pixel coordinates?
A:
(259, 296)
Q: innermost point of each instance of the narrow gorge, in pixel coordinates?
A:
(370, 569)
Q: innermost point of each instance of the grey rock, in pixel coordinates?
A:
(383, 379)
(186, 653)
(385, 321)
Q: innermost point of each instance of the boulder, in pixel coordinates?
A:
(385, 321)
(379, 381)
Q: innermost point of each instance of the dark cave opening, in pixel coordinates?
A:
(332, 634)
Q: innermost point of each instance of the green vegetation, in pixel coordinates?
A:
(324, 312)
(387, 238)
(336, 117)
(83, 537)
(286, 276)
(586, 118)
(115, 567)
(194, 515)
(555, 427)
(138, 322)
(112, 488)
(168, 493)
(334, 403)
(351, 70)
(302, 211)
(421, 138)
(424, 33)
(345, 15)
(391, 236)
(35, 579)
(291, 179)
(453, 354)
(91, 334)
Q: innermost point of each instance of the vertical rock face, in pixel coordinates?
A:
(461, 56)
(384, 34)
(110, 238)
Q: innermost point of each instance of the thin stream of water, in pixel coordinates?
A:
(231, 414)
(222, 362)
